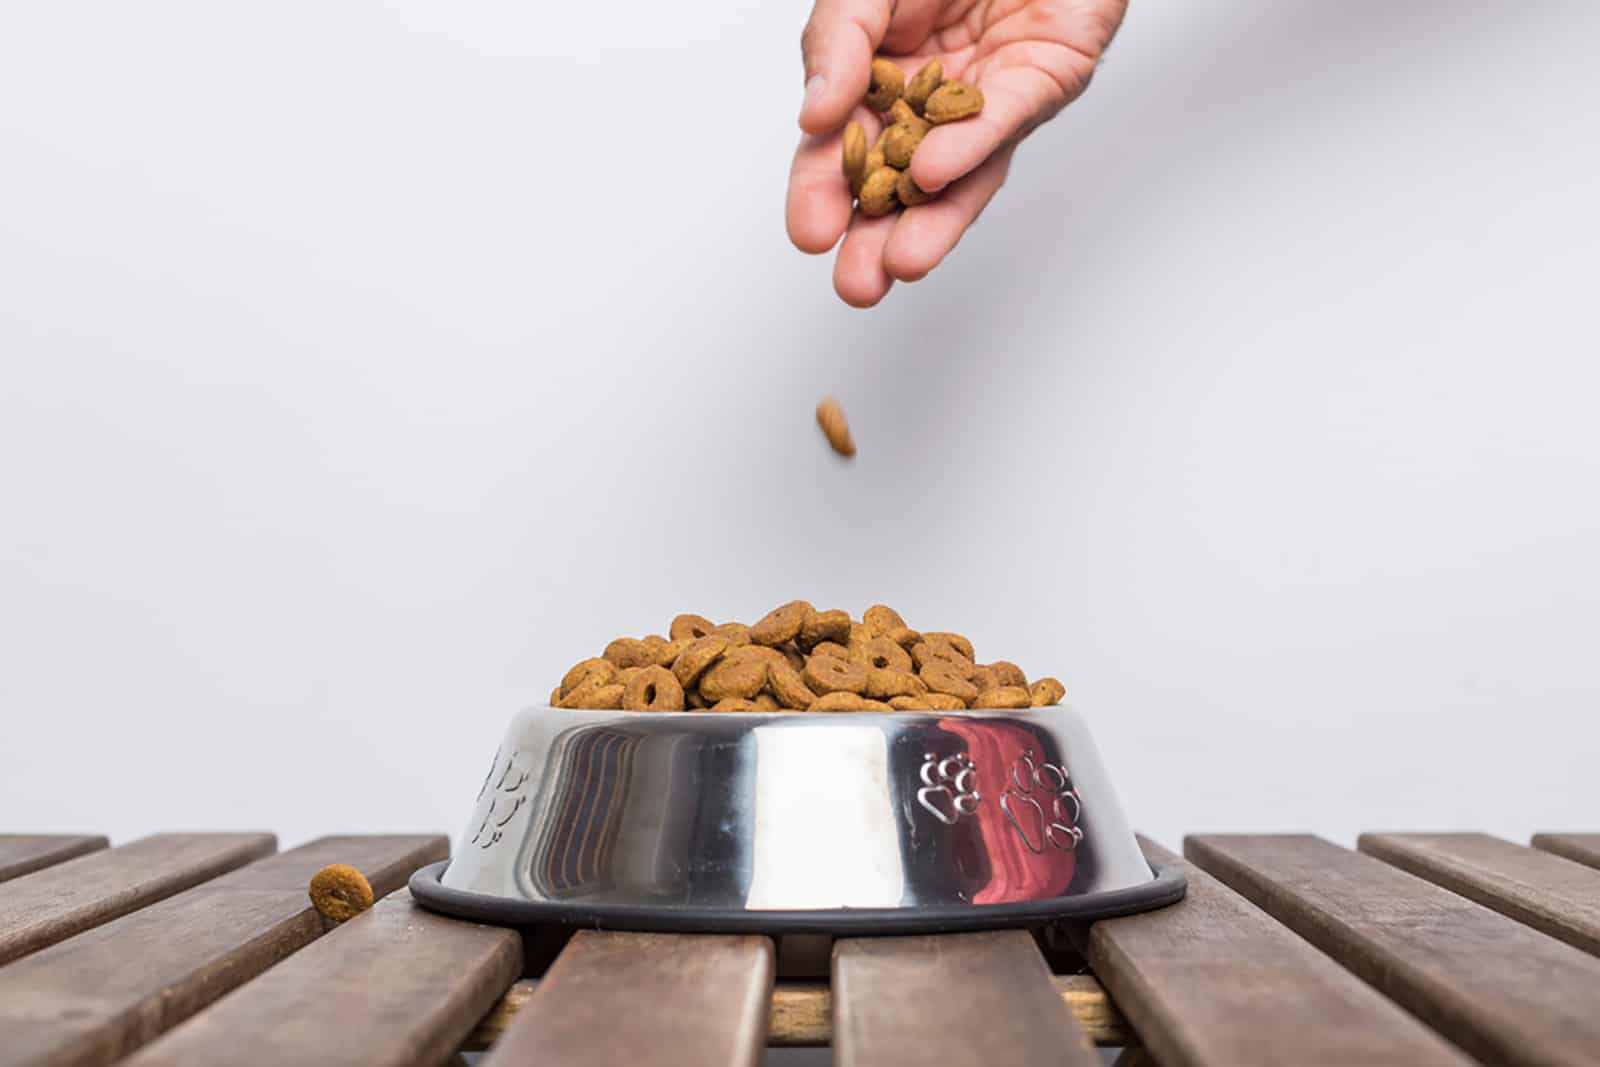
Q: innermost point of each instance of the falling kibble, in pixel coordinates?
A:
(830, 416)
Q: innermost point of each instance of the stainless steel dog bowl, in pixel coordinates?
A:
(839, 823)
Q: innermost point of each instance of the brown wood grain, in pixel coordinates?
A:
(53, 904)
(1214, 980)
(957, 1000)
(25, 853)
(663, 1000)
(394, 987)
(1544, 891)
(802, 1013)
(1504, 992)
(1579, 848)
(98, 996)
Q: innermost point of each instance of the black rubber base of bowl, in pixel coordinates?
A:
(1166, 886)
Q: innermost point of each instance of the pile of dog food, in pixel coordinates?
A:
(797, 658)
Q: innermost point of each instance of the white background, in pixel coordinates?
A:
(365, 364)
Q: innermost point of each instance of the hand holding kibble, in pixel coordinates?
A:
(983, 77)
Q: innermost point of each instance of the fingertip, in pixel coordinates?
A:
(909, 260)
(814, 232)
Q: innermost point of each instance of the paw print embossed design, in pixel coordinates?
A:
(949, 787)
(499, 799)
(1042, 805)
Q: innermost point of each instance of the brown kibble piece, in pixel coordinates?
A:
(885, 85)
(955, 641)
(591, 696)
(555, 696)
(983, 677)
(789, 687)
(880, 619)
(904, 636)
(841, 700)
(944, 702)
(830, 416)
(737, 633)
(1046, 692)
(1008, 673)
(734, 704)
(910, 703)
(952, 102)
(692, 627)
(902, 115)
(697, 657)
(831, 648)
(764, 702)
(883, 684)
(629, 652)
(829, 674)
(1004, 696)
(926, 652)
(900, 144)
(602, 669)
(875, 162)
(922, 85)
(781, 624)
(942, 676)
(734, 678)
(653, 689)
(855, 155)
(877, 192)
(880, 653)
(340, 892)
(793, 658)
(908, 192)
(694, 700)
(823, 626)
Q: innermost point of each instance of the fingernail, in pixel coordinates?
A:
(814, 87)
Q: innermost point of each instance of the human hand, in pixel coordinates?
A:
(1030, 58)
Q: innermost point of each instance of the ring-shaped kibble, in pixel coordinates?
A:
(653, 689)
(582, 671)
(592, 697)
(696, 657)
(1046, 692)
(842, 700)
(885, 84)
(885, 684)
(1003, 696)
(877, 196)
(1008, 673)
(629, 652)
(824, 626)
(952, 102)
(781, 624)
(904, 636)
(340, 892)
(854, 159)
(690, 627)
(880, 619)
(741, 678)
(737, 633)
(922, 85)
(734, 704)
(829, 674)
(955, 641)
(785, 683)
(942, 676)
(882, 654)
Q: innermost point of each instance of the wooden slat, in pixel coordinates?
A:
(1501, 990)
(1579, 848)
(1215, 980)
(801, 1013)
(53, 904)
(395, 987)
(22, 854)
(1544, 891)
(98, 996)
(957, 1000)
(646, 1000)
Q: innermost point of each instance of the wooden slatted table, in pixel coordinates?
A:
(202, 948)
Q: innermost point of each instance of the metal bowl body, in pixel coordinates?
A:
(779, 822)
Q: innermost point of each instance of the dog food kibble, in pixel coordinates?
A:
(909, 111)
(830, 416)
(796, 658)
(884, 85)
(340, 892)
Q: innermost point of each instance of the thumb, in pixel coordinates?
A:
(838, 45)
